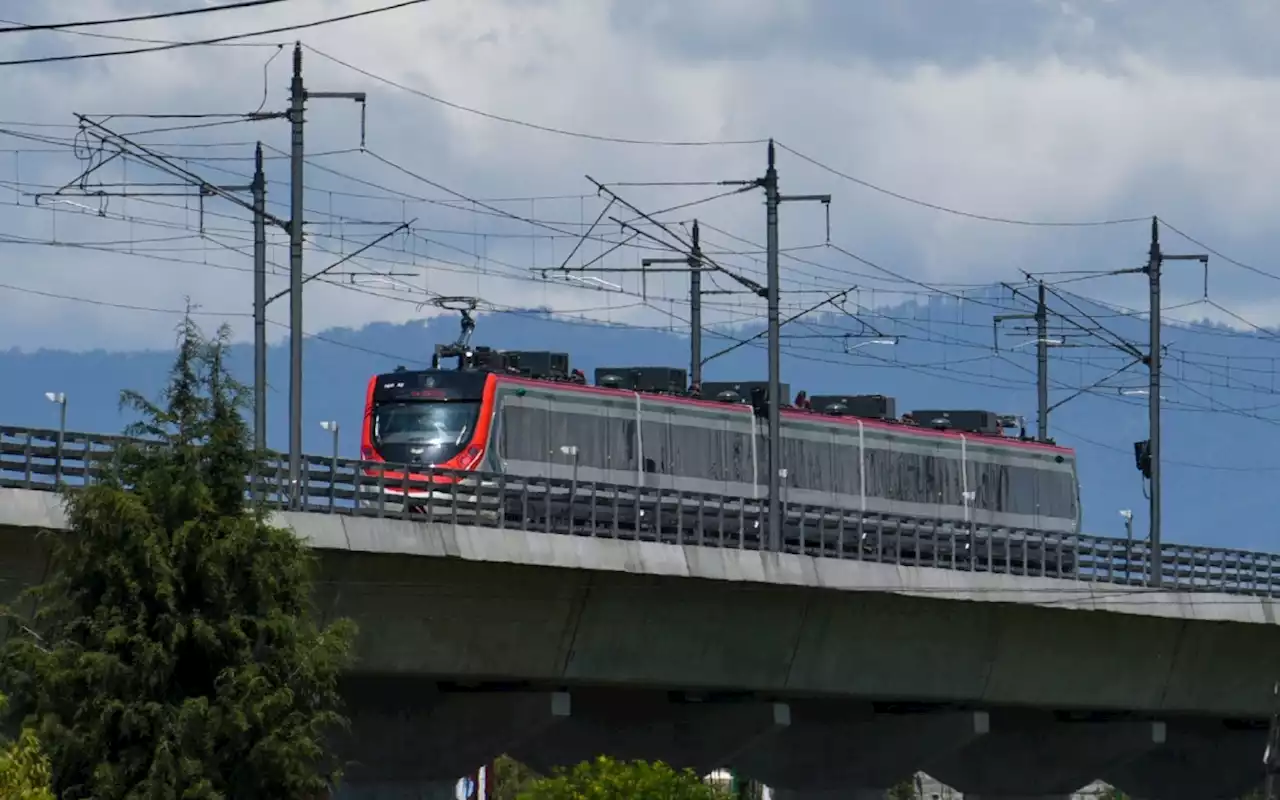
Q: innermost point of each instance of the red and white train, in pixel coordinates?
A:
(526, 414)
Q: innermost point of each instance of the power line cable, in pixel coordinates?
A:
(19, 27)
(957, 212)
(533, 125)
(215, 40)
(144, 40)
(1217, 253)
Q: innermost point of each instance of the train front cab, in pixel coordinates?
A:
(428, 427)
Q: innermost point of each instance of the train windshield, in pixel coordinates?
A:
(423, 432)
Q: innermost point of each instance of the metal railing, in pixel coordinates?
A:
(31, 459)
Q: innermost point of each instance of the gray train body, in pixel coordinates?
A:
(544, 429)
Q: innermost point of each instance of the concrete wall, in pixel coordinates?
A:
(483, 604)
(817, 676)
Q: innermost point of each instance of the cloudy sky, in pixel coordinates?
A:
(1091, 110)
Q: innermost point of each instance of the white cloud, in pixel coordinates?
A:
(1069, 126)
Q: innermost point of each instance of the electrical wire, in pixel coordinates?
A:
(211, 41)
(532, 125)
(144, 40)
(931, 290)
(1217, 253)
(18, 27)
(955, 211)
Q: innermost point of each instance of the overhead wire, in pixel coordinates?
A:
(531, 125)
(894, 276)
(18, 27)
(210, 41)
(955, 211)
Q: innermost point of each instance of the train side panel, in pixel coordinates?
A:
(644, 440)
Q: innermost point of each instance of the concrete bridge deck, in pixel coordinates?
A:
(809, 673)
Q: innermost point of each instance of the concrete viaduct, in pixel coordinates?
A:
(823, 677)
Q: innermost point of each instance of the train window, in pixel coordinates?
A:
(525, 433)
(596, 439)
(738, 467)
(844, 466)
(563, 430)
(696, 452)
(792, 461)
(1024, 490)
(877, 478)
(588, 432)
(911, 469)
(654, 430)
(988, 481)
(622, 439)
(715, 452)
(807, 462)
(1057, 493)
(946, 484)
(931, 478)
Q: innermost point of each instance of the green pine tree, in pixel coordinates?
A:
(174, 653)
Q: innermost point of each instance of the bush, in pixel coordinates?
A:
(606, 779)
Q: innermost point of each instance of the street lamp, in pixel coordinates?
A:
(332, 426)
(1128, 533)
(571, 450)
(60, 398)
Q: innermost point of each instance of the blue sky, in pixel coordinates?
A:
(1023, 110)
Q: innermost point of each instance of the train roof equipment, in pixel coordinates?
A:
(658, 380)
(867, 406)
(554, 366)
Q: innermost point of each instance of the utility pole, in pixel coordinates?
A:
(298, 96)
(694, 263)
(1041, 318)
(772, 283)
(1042, 366)
(1153, 402)
(773, 198)
(1156, 259)
(695, 308)
(259, 188)
(297, 105)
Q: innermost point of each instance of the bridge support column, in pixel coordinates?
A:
(1199, 761)
(1030, 754)
(406, 733)
(833, 745)
(655, 726)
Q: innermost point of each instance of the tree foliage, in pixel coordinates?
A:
(174, 653)
(510, 778)
(606, 779)
(25, 773)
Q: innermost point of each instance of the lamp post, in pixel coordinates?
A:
(60, 398)
(332, 426)
(1128, 535)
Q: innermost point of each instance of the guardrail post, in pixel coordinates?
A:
(333, 481)
(26, 461)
